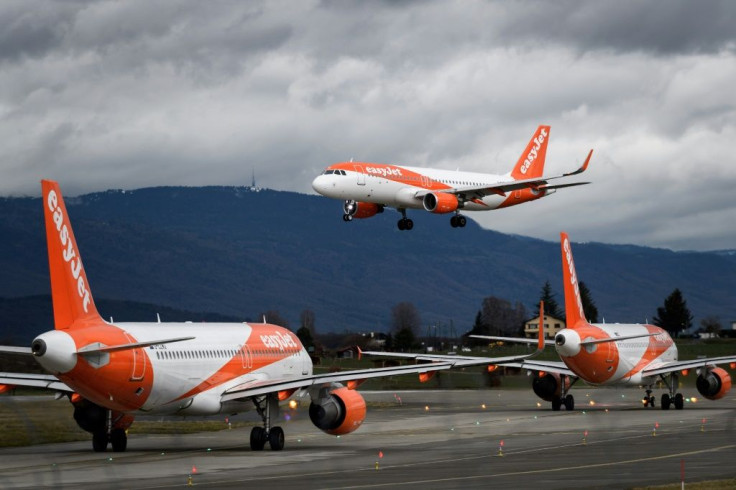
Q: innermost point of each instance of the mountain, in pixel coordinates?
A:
(239, 252)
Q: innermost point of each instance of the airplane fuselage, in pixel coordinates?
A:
(615, 363)
(403, 187)
(184, 378)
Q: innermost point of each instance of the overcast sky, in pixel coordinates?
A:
(110, 94)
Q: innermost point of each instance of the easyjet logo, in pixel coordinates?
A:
(278, 341)
(538, 140)
(69, 254)
(384, 171)
(573, 276)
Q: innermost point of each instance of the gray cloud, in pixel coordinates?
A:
(127, 94)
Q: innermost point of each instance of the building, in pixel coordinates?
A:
(552, 325)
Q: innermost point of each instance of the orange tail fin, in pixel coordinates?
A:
(531, 161)
(573, 304)
(70, 290)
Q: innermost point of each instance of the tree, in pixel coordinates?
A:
(498, 317)
(674, 316)
(589, 308)
(404, 316)
(711, 324)
(307, 321)
(405, 323)
(551, 308)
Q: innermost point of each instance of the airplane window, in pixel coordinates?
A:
(329, 172)
(342, 172)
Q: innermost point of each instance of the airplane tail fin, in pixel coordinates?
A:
(70, 292)
(573, 303)
(531, 161)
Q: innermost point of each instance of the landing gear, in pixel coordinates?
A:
(458, 221)
(118, 440)
(404, 223)
(648, 400)
(347, 217)
(99, 440)
(565, 399)
(672, 398)
(268, 408)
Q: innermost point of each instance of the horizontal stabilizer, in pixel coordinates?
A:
(96, 348)
(562, 186)
(519, 340)
(616, 339)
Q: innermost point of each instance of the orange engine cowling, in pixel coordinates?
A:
(6, 388)
(714, 384)
(359, 209)
(340, 412)
(440, 203)
(547, 386)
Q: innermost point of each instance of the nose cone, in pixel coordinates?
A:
(55, 351)
(322, 184)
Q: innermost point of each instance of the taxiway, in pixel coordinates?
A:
(420, 439)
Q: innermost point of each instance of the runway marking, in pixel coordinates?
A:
(549, 470)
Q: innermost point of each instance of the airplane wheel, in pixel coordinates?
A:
(569, 402)
(556, 404)
(666, 401)
(453, 221)
(645, 402)
(651, 401)
(257, 438)
(409, 224)
(347, 217)
(401, 224)
(679, 401)
(461, 221)
(276, 438)
(99, 441)
(119, 440)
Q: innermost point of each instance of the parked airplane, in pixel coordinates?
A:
(111, 372)
(367, 188)
(607, 355)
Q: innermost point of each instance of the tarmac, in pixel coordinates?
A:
(420, 439)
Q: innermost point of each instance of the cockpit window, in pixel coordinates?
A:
(329, 172)
(342, 172)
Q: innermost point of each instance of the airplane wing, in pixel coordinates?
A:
(48, 381)
(262, 387)
(668, 367)
(501, 188)
(431, 363)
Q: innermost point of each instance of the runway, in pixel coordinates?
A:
(421, 439)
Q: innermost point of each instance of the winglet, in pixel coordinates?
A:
(70, 291)
(573, 303)
(360, 352)
(540, 344)
(531, 162)
(584, 166)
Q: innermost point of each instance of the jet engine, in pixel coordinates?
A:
(89, 416)
(440, 203)
(548, 386)
(714, 383)
(338, 412)
(359, 209)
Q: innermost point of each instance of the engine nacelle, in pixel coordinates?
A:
(440, 203)
(92, 418)
(548, 386)
(340, 412)
(714, 384)
(360, 210)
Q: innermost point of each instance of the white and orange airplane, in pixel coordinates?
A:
(113, 371)
(606, 355)
(367, 188)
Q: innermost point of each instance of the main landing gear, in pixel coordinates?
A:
(458, 221)
(404, 223)
(268, 408)
(565, 399)
(671, 398)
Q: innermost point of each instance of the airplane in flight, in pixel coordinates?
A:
(607, 354)
(113, 371)
(367, 188)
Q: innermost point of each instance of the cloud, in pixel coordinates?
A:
(128, 94)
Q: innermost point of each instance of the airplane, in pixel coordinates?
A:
(367, 188)
(113, 371)
(605, 355)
